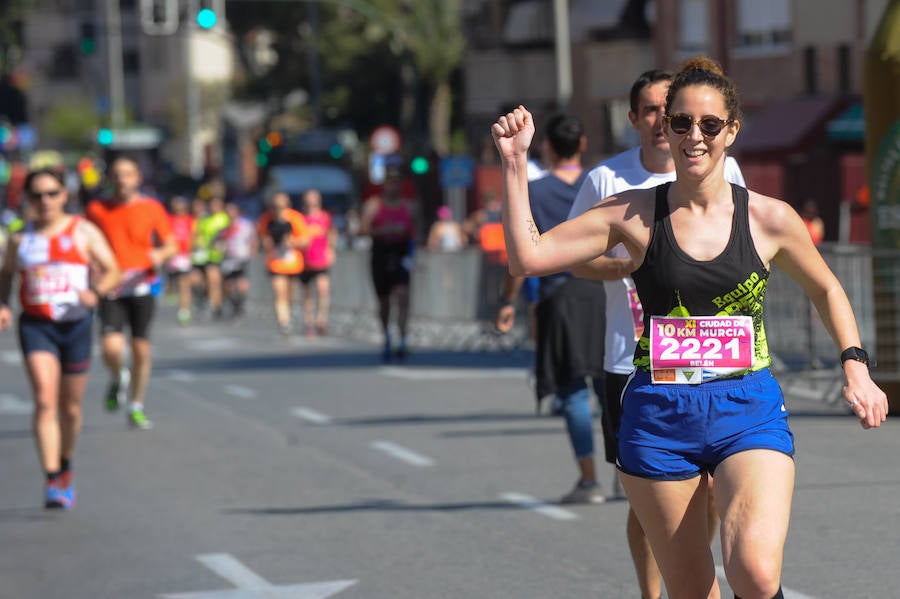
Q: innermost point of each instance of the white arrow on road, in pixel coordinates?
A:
(251, 585)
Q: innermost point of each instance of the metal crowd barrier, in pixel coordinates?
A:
(455, 296)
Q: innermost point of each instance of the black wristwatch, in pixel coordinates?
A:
(855, 353)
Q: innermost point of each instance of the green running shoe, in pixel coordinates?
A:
(117, 391)
(137, 419)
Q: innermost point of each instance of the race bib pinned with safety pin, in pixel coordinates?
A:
(691, 350)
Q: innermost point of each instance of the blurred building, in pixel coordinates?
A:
(797, 64)
(147, 70)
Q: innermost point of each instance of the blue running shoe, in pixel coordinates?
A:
(55, 497)
(66, 480)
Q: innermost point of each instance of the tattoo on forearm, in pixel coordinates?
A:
(535, 235)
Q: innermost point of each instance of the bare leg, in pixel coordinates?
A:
(113, 346)
(753, 494)
(648, 575)
(44, 375)
(323, 292)
(71, 393)
(282, 299)
(309, 308)
(673, 515)
(140, 369)
(214, 288)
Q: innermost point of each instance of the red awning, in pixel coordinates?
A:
(787, 126)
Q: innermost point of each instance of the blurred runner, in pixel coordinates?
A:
(388, 220)
(56, 256)
(208, 232)
(179, 266)
(318, 257)
(283, 233)
(241, 243)
(141, 237)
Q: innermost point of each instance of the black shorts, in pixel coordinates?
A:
(307, 276)
(137, 311)
(234, 269)
(388, 269)
(69, 341)
(611, 413)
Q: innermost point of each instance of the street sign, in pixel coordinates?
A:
(456, 171)
(385, 140)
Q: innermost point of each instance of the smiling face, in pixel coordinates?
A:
(46, 197)
(694, 153)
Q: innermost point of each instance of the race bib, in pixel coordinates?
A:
(691, 350)
(53, 283)
(637, 310)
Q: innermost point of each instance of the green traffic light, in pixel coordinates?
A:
(5, 135)
(104, 137)
(336, 151)
(206, 18)
(262, 159)
(88, 46)
(419, 165)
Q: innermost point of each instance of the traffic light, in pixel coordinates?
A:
(209, 13)
(419, 165)
(159, 17)
(88, 41)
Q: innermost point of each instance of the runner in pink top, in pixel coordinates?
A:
(318, 257)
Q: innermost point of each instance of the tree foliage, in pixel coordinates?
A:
(376, 57)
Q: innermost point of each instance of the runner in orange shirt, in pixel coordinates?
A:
(283, 233)
(141, 237)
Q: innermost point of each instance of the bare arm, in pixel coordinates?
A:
(368, 215)
(604, 269)
(7, 272)
(784, 237)
(506, 314)
(566, 245)
(101, 255)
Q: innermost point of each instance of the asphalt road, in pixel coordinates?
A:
(306, 468)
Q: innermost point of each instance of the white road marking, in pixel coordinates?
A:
(788, 593)
(10, 404)
(11, 357)
(401, 453)
(545, 509)
(452, 374)
(251, 585)
(804, 392)
(239, 391)
(213, 344)
(182, 376)
(311, 415)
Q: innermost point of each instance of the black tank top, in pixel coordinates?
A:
(671, 283)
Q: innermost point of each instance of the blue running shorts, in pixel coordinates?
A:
(675, 432)
(70, 341)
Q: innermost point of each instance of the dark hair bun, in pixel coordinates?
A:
(703, 63)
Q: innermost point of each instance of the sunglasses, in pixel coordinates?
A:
(51, 193)
(710, 126)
